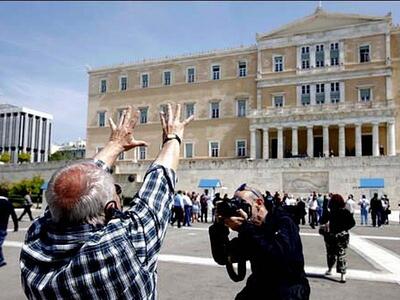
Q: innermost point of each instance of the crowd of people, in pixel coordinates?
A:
(191, 207)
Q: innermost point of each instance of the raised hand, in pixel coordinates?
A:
(123, 133)
(171, 123)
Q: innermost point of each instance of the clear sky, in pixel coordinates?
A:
(45, 46)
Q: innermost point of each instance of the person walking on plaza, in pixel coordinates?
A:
(312, 209)
(350, 204)
(203, 204)
(195, 207)
(364, 206)
(188, 208)
(335, 226)
(375, 207)
(6, 210)
(85, 246)
(178, 209)
(385, 210)
(27, 206)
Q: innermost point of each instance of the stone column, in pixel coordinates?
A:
(265, 143)
(252, 143)
(295, 146)
(375, 139)
(358, 140)
(342, 141)
(33, 133)
(310, 141)
(325, 133)
(391, 137)
(280, 142)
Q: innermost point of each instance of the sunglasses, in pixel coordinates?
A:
(245, 187)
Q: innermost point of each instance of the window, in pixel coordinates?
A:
(278, 101)
(123, 83)
(334, 54)
(102, 118)
(242, 65)
(191, 75)
(145, 80)
(305, 94)
(142, 152)
(214, 110)
(305, 57)
(216, 72)
(335, 92)
(143, 115)
(241, 108)
(319, 56)
(214, 149)
(188, 150)
(278, 63)
(103, 86)
(365, 94)
(320, 93)
(241, 148)
(364, 54)
(189, 108)
(121, 156)
(167, 78)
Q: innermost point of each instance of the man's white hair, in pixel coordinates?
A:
(78, 194)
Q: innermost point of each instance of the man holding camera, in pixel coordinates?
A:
(270, 240)
(85, 247)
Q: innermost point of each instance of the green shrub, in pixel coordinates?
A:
(5, 157)
(24, 157)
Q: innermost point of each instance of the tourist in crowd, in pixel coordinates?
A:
(187, 203)
(27, 206)
(364, 206)
(195, 207)
(216, 199)
(178, 209)
(210, 209)
(300, 211)
(385, 210)
(335, 226)
(350, 204)
(320, 202)
(204, 198)
(6, 210)
(376, 210)
(312, 210)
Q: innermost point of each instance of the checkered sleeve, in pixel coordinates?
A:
(150, 212)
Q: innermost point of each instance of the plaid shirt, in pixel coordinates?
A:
(115, 261)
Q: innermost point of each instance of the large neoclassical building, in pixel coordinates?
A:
(325, 85)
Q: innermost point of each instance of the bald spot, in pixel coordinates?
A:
(69, 187)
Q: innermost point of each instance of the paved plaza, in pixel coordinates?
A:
(187, 271)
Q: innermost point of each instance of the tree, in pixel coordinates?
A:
(24, 157)
(5, 157)
(60, 155)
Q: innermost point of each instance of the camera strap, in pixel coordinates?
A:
(241, 270)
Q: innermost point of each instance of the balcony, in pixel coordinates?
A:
(323, 108)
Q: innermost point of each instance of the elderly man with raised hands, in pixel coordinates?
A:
(85, 247)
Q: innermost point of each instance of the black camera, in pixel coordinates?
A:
(227, 209)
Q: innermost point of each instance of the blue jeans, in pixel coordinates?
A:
(3, 234)
(364, 217)
(188, 215)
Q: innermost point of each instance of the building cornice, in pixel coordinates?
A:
(152, 62)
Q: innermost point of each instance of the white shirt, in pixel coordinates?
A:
(350, 203)
(186, 200)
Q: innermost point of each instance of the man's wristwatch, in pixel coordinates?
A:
(102, 165)
(172, 136)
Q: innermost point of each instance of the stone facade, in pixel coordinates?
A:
(294, 175)
(325, 85)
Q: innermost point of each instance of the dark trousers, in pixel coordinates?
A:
(3, 234)
(178, 216)
(188, 215)
(336, 245)
(313, 215)
(203, 213)
(376, 214)
(27, 210)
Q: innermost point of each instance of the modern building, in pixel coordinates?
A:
(24, 130)
(325, 85)
(72, 150)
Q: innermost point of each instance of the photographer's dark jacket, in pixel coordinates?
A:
(276, 256)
